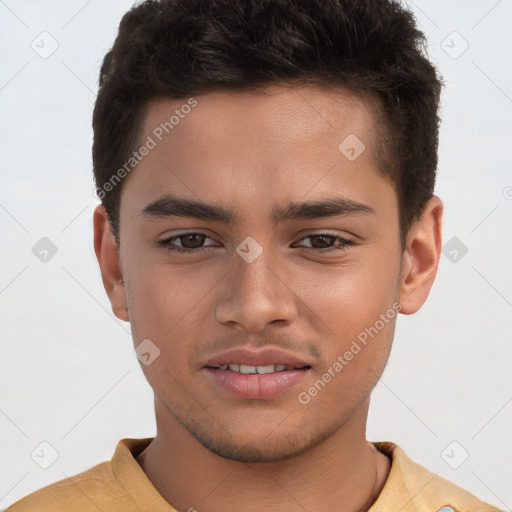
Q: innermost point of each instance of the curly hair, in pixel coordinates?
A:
(180, 48)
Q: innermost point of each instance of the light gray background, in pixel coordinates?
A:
(68, 375)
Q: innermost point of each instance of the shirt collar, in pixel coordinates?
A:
(409, 486)
(135, 482)
(395, 495)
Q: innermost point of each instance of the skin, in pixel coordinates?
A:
(252, 152)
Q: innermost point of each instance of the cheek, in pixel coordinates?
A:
(355, 312)
(353, 296)
(165, 307)
(355, 352)
(166, 303)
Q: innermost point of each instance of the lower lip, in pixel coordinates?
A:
(257, 385)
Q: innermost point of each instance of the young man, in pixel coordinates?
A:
(266, 170)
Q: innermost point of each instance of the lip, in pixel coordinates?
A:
(257, 386)
(257, 357)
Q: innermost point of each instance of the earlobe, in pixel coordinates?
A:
(421, 257)
(109, 261)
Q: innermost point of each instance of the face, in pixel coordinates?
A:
(226, 243)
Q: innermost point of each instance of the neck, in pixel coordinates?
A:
(344, 472)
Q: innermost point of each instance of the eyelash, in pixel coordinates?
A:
(166, 243)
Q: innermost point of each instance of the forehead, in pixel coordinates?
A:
(278, 112)
(282, 144)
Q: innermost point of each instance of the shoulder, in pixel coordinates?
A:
(112, 486)
(421, 489)
(91, 490)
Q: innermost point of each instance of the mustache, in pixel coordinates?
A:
(271, 339)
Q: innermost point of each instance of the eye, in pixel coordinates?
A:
(189, 243)
(192, 243)
(322, 242)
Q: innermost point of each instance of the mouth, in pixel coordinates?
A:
(262, 360)
(256, 373)
(260, 370)
(255, 382)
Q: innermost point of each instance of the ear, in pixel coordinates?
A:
(421, 257)
(108, 257)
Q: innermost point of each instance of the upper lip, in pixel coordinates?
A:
(257, 357)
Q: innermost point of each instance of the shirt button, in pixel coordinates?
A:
(446, 509)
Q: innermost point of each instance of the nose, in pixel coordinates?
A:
(256, 294)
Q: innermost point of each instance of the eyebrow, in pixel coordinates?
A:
(170, 205)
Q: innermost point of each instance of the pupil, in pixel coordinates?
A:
(198, 243)
(316, 237)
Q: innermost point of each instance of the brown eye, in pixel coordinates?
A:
(192, 241)
(323, 242)
(188, 243)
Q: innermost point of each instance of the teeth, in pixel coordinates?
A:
(247, 369)
(250, 370)
(265, 369)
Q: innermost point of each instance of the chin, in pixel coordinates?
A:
(260, 447)
(254, 452)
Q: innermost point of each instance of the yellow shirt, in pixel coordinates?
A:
(120, 485)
